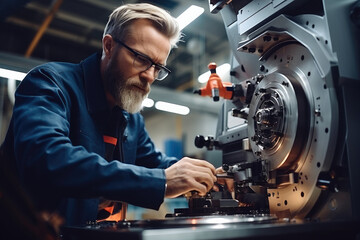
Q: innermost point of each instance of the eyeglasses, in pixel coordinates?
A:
(143, 63)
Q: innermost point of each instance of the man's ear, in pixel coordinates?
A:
(108, 45)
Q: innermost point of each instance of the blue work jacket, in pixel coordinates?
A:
(56, 141)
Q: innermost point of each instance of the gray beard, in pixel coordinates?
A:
(129, 100)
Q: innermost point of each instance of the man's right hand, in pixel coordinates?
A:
(187, 175)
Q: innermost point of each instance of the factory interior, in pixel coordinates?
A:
(282, 123)
(75, 32)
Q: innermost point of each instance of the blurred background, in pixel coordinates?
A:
(38, 31)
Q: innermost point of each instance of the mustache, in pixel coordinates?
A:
(145, 87)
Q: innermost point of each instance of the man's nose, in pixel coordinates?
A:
(149, 74)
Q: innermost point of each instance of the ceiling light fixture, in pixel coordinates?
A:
(223, 71)
(189, 15)
(171, 107)
(10, 74)
(148, 102)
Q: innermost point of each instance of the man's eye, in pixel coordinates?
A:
(142, 60)
(157, 68)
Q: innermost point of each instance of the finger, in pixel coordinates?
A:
(221, 181)
(205, 179)
(209, 166)
(196, 169)
(195, 186)
(219, 170)
(202, 177)
(230, 184)
(202, 163)
(211, 174)
(200, 188)
(209, 187)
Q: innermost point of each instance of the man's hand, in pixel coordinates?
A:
(189, 175)
(228, 182)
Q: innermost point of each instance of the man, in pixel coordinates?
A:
(76, 137)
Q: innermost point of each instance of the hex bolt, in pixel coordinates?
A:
(254, 138)
(262, 90)
(267, 38)
(285, 84)
(259, 77)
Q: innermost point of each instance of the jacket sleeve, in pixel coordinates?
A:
(146, 154)
(49, 163)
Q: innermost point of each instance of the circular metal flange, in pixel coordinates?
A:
(278, 120)
(293, 124)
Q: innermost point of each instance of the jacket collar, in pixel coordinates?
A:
(97, 104)
(94, 88)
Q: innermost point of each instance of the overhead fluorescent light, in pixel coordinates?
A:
(223, 71)
(171, 107)
(148, 102)
(189, 15)
(10, 74)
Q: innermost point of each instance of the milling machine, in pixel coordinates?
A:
(288, 129)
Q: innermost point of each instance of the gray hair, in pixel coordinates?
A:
(120, 21)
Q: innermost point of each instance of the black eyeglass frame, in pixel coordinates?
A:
(136, 53)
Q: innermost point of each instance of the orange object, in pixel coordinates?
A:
(119, 216)
(110, 140)
(215, 88)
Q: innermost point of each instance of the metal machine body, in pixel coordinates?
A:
(286, 135)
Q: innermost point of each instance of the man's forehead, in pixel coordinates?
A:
(147, 39)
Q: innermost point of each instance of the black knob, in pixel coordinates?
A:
(200, 141)
(197, 92)
(225, 167)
